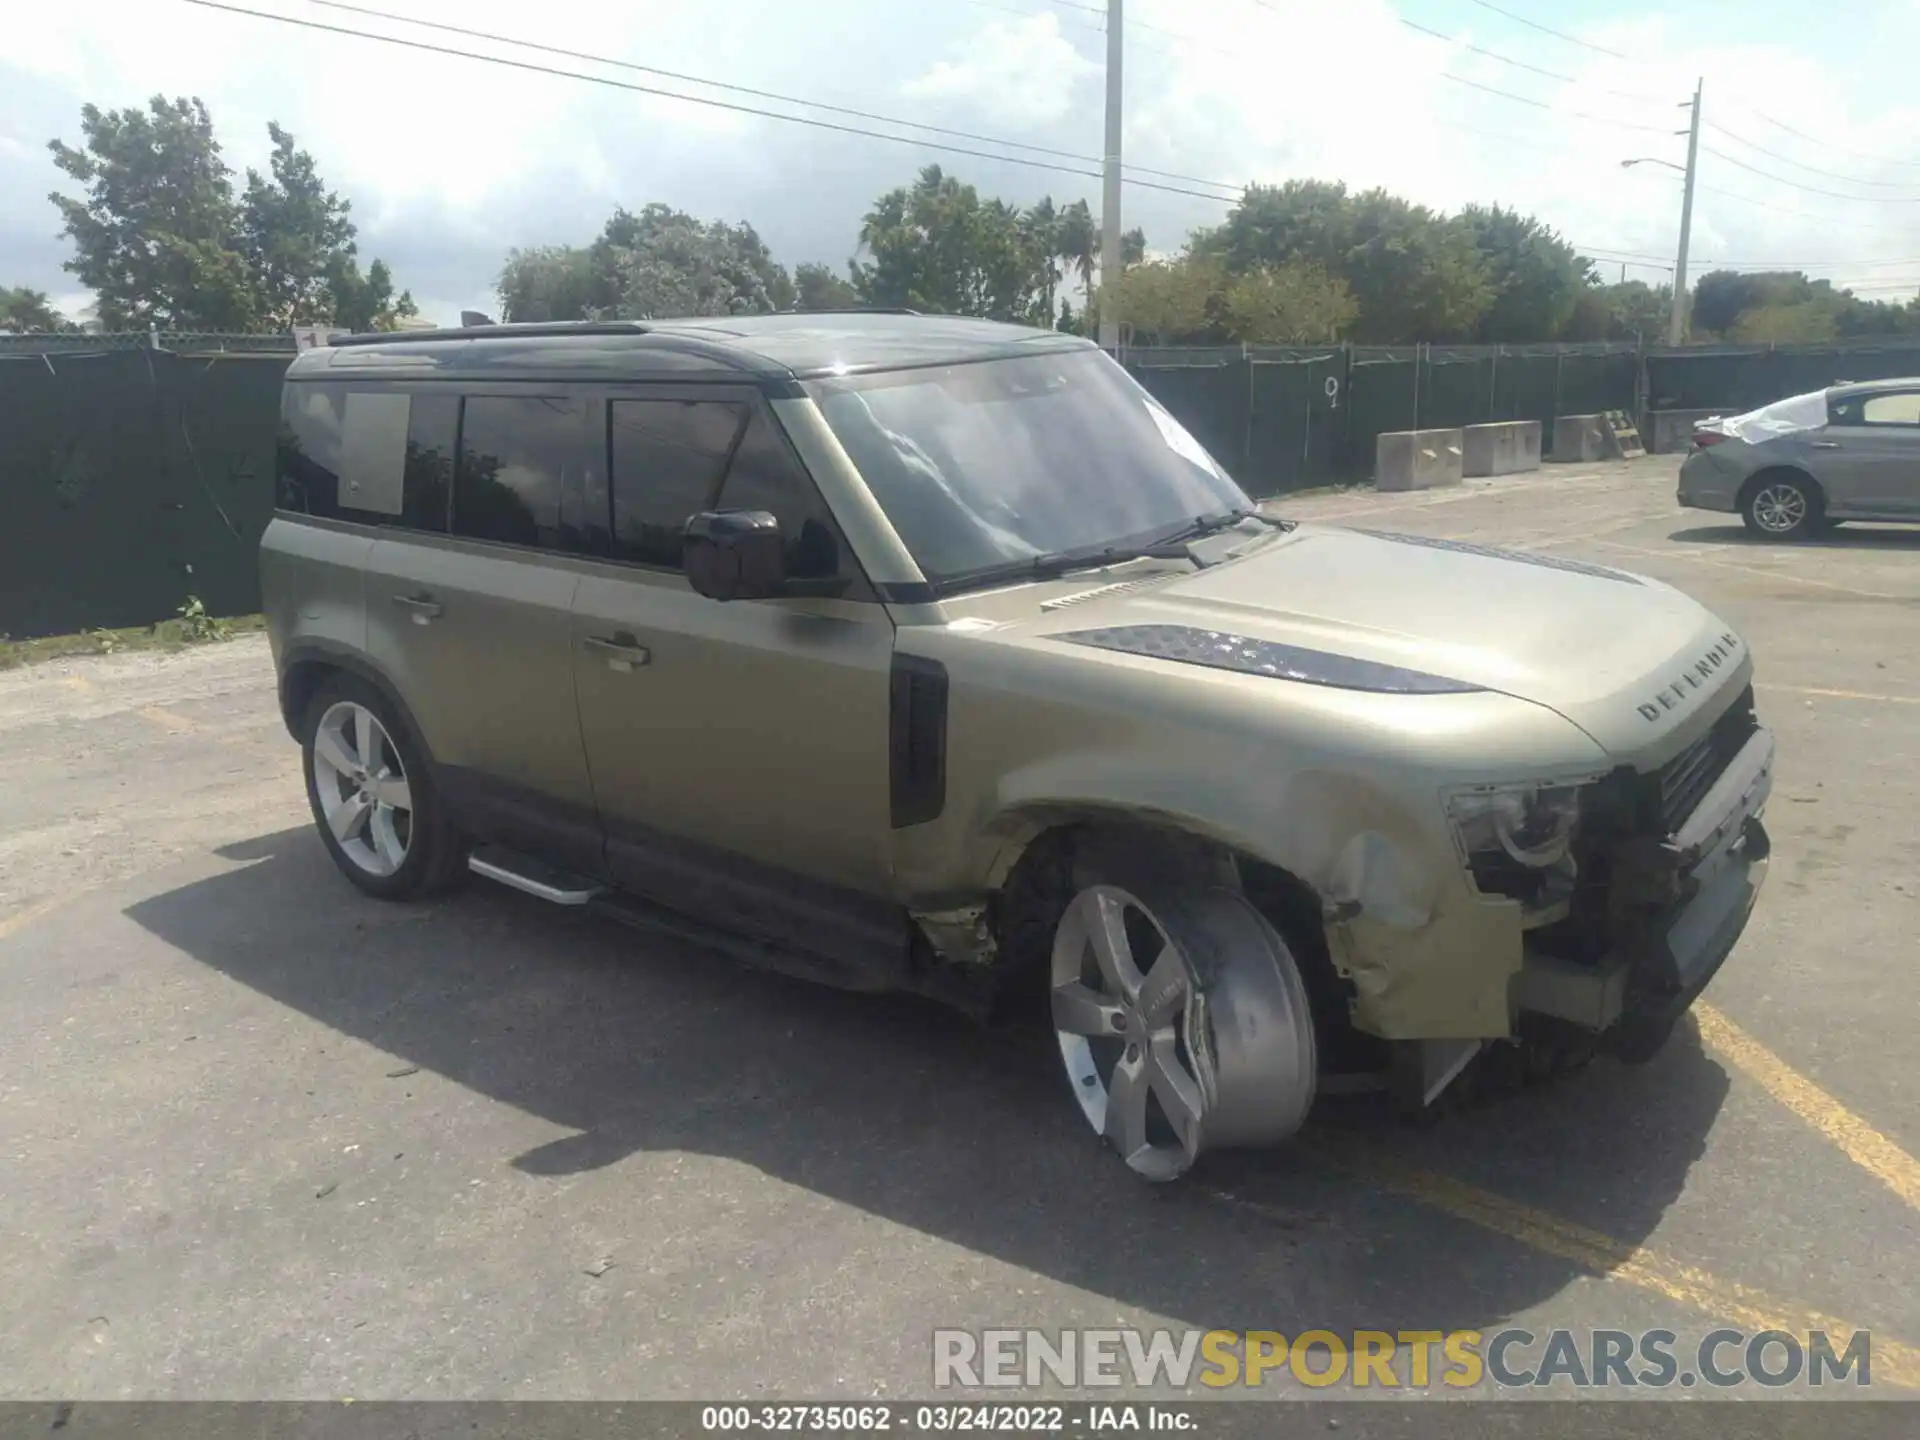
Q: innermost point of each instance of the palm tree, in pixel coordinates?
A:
(1080, 243)
(1042, 226)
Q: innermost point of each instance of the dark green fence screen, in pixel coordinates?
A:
(136, 471)
(131, 479)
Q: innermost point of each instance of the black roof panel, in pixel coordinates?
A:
(762, 346)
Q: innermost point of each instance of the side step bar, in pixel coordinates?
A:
(523, 873)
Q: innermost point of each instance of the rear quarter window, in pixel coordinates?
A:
(371, 455)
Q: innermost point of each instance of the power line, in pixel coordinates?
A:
(1825, 145)
(807, 120)
(1545, 105)
(1546, 30)
(1813, 189)
(1524, 65)
(744, 89)
(1811, 169)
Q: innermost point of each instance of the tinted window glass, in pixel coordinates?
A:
(766, 475)
(312, 418)
(429, 473)
(667, 458)
(1901, 408)
(333, 437)
(515, 455)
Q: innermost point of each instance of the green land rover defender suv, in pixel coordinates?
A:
(934, 655)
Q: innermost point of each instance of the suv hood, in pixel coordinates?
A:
(1627, 659)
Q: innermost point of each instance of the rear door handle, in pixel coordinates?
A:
(1826, 445)
(424, 608)
(623, 652)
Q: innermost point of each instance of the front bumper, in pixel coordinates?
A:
(1719, 858)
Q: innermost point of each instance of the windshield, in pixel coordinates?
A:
(983, 466)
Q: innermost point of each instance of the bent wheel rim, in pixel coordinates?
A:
(361, 783)
(1127, 1013)
(1779, 508)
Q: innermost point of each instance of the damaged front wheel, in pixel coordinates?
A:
(1183, 1024)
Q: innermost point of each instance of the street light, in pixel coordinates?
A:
(1649, 160)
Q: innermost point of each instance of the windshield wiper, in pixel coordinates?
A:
(1173, 545)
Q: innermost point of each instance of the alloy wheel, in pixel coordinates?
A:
(1779, 509)
(1127, 1012)
(363, 790)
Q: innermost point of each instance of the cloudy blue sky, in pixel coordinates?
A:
(449, 162)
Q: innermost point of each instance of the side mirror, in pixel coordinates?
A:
(735, 555)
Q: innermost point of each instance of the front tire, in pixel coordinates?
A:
(1182, 1022)
(372, 795)
(1783, 506)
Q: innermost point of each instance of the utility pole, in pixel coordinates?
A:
(1677, 321)
(1110, 188)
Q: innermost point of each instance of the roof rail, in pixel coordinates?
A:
(528, 330)
(852, 310)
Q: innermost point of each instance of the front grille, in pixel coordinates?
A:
(1685, 779)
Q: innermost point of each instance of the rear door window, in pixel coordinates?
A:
(518, 454)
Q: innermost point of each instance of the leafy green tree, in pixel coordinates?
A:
(296, 237)
(162, 239)
(156, 235)
(366, 302)
(1415, 274)
(816, 287)
(551, 282)
(1298, 303)
(1167, 302)
(1537, 278)
(935, 245)
(28, 312)
(655, 263)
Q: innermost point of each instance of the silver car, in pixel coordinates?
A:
(1797, 466)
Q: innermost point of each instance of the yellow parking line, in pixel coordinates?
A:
(1611, 1259)
(166, 720)
(1840, 694)
(1757, 571)
(20, 919)
(1855, 1138)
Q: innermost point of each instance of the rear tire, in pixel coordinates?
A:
(1783, 505)
(372, 795)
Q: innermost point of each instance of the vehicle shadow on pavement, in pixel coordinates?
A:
(1852, 535)
(919, 1117)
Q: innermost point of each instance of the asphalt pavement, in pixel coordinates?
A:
(261, 1137)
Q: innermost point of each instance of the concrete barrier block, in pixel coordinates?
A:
(1417, 459)
(1580, 437)
(1504, 448)
(1671, 431)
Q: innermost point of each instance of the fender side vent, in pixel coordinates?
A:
(918, 740)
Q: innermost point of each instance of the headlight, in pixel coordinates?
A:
(1532, 824)
(1517, 840)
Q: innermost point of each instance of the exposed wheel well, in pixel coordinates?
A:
(1027, 909)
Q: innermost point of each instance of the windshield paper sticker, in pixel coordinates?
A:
(1179, 441)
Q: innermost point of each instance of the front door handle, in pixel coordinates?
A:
(425, 608)
(623, 652)
(1826, 445)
